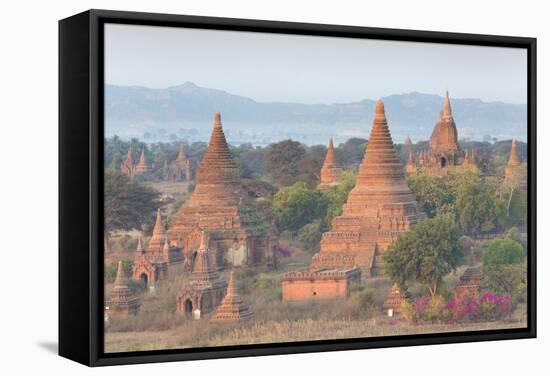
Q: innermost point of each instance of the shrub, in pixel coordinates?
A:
(366, 299)
(310, 235)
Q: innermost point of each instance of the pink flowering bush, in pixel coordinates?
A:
(468, 308)
(284, 251)
(487, 307)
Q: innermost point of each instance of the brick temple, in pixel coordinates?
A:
(221, 207)
(154, 262)
(141, 166)
(379, 208)
(331, 170)
(444, 150)
(205, 288)
(322, 284)
(180, 169)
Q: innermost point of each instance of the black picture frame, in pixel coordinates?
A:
(80, 186)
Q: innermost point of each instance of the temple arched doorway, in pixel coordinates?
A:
(188, 306)
(144, 279)
(443, 162)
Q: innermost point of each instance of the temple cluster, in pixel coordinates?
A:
(219, 226)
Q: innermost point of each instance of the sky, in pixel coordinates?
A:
(309, 69)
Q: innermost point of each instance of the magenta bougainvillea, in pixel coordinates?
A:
(485, 307)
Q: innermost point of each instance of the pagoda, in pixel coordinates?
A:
(141, 167)
(122, 301)
(180, 168)
(379, 208)
(220, 205)
(206, 288)
(330, 172)
(232, 307)
(395, 299)
(127, 166)
(443, 150)
(513, 162)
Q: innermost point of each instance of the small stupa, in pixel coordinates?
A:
(232, 307)
(331, 170)
(122, 301)
(141, 167)
(395, 299)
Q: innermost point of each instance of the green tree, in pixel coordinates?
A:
(337, 196)
(479, 209)
(127, 204)
(282, 161)
(310, 235)
(431, 192)
(296, 206)
(504, 268)
(425, 254)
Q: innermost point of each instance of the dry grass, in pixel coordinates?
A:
(157, 326)
(200, 334)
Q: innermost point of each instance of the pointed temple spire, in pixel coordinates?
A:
(159, 233)
(121, 301)
(513, 160)
(512, 171)
(217, 165)
(447, 112)
(121, 281)
(142, 164)
(159, 226)
(407, 141)
(139, 249)
(331, 169)
(127, 166)
(232, 307)
(380, 167)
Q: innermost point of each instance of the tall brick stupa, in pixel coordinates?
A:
(220, 205)
(378, 209)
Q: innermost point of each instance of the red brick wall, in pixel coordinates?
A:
(314, 289)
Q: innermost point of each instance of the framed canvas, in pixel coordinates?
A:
(234, 187)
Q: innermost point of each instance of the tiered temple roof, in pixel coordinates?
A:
(379, 207)
(122, 301)
(232, 307)
(331, 170)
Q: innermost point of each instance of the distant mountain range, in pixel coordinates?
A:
(186, 111)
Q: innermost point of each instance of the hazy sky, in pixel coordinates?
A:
(293, 68)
